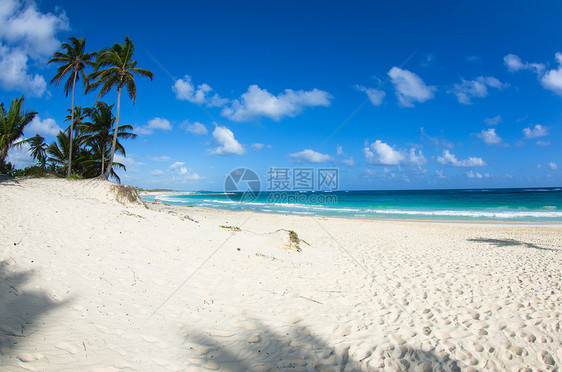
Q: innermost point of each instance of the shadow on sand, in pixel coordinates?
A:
(20, 309)
(508, 243)
(296, 348)
(8, 180)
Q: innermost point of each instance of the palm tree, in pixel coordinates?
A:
(76, 118)
(38, 149)
(74, 62)
(12, 124)
(118, 70)
(58, 152)
(97, 133)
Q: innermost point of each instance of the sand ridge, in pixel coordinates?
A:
(91, 283)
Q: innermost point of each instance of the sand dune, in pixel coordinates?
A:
(91, 279)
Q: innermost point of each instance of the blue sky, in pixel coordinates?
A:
(397, 95)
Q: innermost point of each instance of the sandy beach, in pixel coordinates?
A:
(93, 280)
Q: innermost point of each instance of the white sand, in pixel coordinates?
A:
(88, 283)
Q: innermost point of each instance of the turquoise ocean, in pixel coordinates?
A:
(521, 204)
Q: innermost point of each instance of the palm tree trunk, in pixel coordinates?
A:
(114, 142)
(71, 127)
(102, 159)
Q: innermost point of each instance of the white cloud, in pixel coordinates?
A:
(552, 165)
(184, 173)
(490, 137)
(22, 24)
(552, 79)
(46, 127)
(309, 156)
(475, 88)
(537, 131)
(375, 96)
(162, 158)
(196, 128)
(157, 172)
(471, 174)
(226, 143)
(257, 102)
(493, 121)
(410, 87)
(543, 143)
(19, 156)
(26, 34)
(451, 159)
(349, 161)
(14, 74)
(514, 64)
(128, 162)
(154, 124)
(440, 174)
(380, 153)
(202, 95)
(257, 146)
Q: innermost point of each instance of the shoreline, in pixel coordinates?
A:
(366, 219)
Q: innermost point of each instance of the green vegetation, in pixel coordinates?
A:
(12, 124)
(74, 61)
(118, 70)
(86, 149)
(235, 228)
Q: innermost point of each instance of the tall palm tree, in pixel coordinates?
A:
(12, 124)
(38, 149)
(97, 133)
(76, 118)
(73, 63)
(115, 67)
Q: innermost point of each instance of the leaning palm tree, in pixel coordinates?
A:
(12, 124)
(73, 62)
(115, 67)
(97, 132)
(38, 150)
(58, 152)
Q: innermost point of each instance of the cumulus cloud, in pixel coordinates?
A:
(201, 95)
(478, 88)
(450, 159)
(154, 124)
(257, 102)
(226, 143)
(309, 156)
(410, 87)
(19, 156)
(490, 137)
(375, 96)
(549, 79)
(537, 131)
(46, 127)
(380, 153)
(514, 64)
(196, 128)
(128, 162)
(157, 172)
(14, 73)
(552, 165)
(471, 174)
(552, 79)
(26, 33)
(184, 173)
(493, 121)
